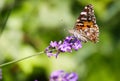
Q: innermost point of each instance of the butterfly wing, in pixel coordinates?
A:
(85, 27)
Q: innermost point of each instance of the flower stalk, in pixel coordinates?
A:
(15, 61)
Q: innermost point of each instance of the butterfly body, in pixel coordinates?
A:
(85, 27)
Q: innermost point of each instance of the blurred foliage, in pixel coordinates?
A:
(27, 27)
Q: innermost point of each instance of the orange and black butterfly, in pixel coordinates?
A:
(85, 27)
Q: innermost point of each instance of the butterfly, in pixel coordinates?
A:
(85, 27)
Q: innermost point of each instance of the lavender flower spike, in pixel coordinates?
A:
(69, 43)
(60, 75)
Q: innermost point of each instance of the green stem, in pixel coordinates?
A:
(15, 61)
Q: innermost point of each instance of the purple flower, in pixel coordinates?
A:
(65, 47)
(53, 44)
(0, 74)
(71, 76)
(69, 43)
(77, 45)
(60, 75)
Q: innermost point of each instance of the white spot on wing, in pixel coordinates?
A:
(79, 24)
(85, 7)
(83, 13)
(83, 18)
(78, 20)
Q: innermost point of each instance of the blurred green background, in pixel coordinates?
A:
(28, 26)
